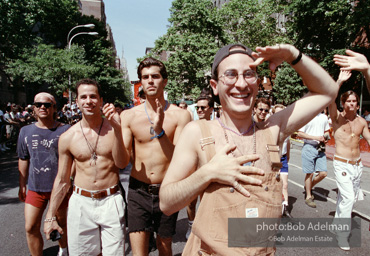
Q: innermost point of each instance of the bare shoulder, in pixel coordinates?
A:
(128, 115)
(179, 113)
(362, 121)
(69, 134)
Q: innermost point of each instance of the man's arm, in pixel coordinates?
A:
(23, 176)
(365, 131)
(322, 89)
(306, 136)
(354, 61)
(333, 110)
(167, 145)
(61, 185)
(119, 152)
(182, 182)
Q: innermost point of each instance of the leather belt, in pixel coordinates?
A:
(150, 188)
(354, 162)
(96, 194)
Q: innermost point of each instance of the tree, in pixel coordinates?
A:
(192, 39)
(44, 64)
(288, 86)
(324, 28)
(28, 29)
(21, 22)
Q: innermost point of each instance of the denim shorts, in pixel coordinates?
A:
(313, 160)
(284, 161)
(144, 214)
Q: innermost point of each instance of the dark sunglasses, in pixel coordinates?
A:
(264, 110)
(39, 104)
(201, 107)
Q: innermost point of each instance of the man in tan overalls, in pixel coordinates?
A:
(232, 162)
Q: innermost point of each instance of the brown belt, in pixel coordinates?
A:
(96, 194)
(354, 162)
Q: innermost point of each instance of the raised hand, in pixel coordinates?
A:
(344, 75)
(111, 114)
(352, 61)
(159, 117)
(275, 55)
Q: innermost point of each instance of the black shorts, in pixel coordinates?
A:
(144, 213)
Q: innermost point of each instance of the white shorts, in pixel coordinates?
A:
(96, 226)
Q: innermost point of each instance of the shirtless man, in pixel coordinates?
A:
(151, 131)
(347, 128)
(95, 220)
(222, 181)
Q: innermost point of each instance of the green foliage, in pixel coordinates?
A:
(288, 85)
(318, 27)
(194, 36)
(28, 29)
(46, 64)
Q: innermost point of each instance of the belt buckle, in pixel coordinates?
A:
(153, 189)
(93, 194)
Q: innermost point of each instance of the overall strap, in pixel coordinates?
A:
(207, 142)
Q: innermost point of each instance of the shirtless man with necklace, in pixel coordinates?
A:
(347, 128)
(95, 220)
(150, 132)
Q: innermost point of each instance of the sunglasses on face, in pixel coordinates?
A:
(203, 108)
(46, 104)
(263, 110)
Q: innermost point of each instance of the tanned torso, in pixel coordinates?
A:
(89, 175)
(150, 158)
(347, 136)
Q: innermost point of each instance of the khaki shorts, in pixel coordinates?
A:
(96, 225)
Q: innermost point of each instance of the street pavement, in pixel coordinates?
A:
(13, 240)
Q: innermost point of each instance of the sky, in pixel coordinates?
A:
(136, 24)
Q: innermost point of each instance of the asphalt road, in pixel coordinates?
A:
(13, 241)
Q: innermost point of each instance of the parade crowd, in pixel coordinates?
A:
(227, 152)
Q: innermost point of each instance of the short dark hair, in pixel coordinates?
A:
(345, 96)
(262, 100)
(88, 81)
(211, 102)
(148, 62)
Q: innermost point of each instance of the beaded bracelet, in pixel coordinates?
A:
(50, 219)
(158, 135)
(297, 59)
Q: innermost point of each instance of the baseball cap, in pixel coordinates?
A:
(225, 52)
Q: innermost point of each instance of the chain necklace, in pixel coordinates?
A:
(94, 155)
(237, 133)
(350, 127)
(224, 127)
(150, 121)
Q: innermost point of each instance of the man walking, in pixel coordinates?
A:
(315, 135)
(151, 131)
(37, 150)
(347, 127)
(94, 146)
(223, 162)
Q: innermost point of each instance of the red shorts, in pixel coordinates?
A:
(40, 199)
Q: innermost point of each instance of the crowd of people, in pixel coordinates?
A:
(234, 157)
